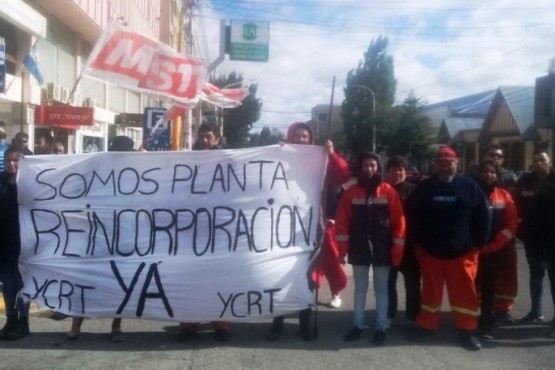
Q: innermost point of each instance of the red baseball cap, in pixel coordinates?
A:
(446, 153)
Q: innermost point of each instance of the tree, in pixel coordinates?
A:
(265, 137)
(410, 134)
(371, 84)
(238, 121)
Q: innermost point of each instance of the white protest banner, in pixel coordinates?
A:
(184, 236)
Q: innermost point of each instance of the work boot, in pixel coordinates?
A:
(504, 317)
(469, 341)
(421, 334)
(19, 330)
(304, 325)
(11, 321)
(379, 337)
(306, 334)
(276, 330)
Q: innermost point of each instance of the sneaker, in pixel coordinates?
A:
(354, 334)
(504, 318)
(221, 335)
(421, 335)
(336, 301)
(485, 334)
(185, 335)
(532, 319)
(469, 341)
(379, 337)
(66, 338)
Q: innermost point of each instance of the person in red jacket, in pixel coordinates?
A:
(506, 286)
(370, 225)
(327, 265)
(496, 252)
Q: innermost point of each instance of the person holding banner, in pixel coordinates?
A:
(328, 263)
(119, 144)
(208, 138)
(370, 226)
(17, 311)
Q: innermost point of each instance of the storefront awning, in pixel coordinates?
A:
(64, 116)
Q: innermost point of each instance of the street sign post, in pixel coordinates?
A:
(156, 136)
(249, 41)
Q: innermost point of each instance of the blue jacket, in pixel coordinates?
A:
(448, 220)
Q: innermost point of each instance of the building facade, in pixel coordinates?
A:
(69, 29)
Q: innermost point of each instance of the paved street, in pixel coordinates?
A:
(150, 345)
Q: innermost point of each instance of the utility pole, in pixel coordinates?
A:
(177, 124)
(181, 128)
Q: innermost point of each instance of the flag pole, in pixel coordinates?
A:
(20, 69)
(20, 72)
(23, 110)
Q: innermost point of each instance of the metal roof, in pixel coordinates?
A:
(455, 125)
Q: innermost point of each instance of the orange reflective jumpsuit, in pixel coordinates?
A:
(494, 254)
(450, 220)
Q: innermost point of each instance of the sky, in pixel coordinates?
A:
(442, 49)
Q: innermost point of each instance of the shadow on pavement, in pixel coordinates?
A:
(332, 326)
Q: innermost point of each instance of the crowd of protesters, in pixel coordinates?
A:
(450, 230)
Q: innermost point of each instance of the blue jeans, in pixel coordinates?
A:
(11, 285)
(361, 277)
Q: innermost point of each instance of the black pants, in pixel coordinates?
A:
(489, 266)
(411, 273)
(304, 319)
(537, 274)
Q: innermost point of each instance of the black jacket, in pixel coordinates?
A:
(525, 196)
(9, 222)
(544, 220)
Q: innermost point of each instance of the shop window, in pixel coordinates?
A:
(92, 144)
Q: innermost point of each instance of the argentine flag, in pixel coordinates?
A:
(31, 62)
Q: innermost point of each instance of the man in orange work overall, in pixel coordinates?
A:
(450, 220)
